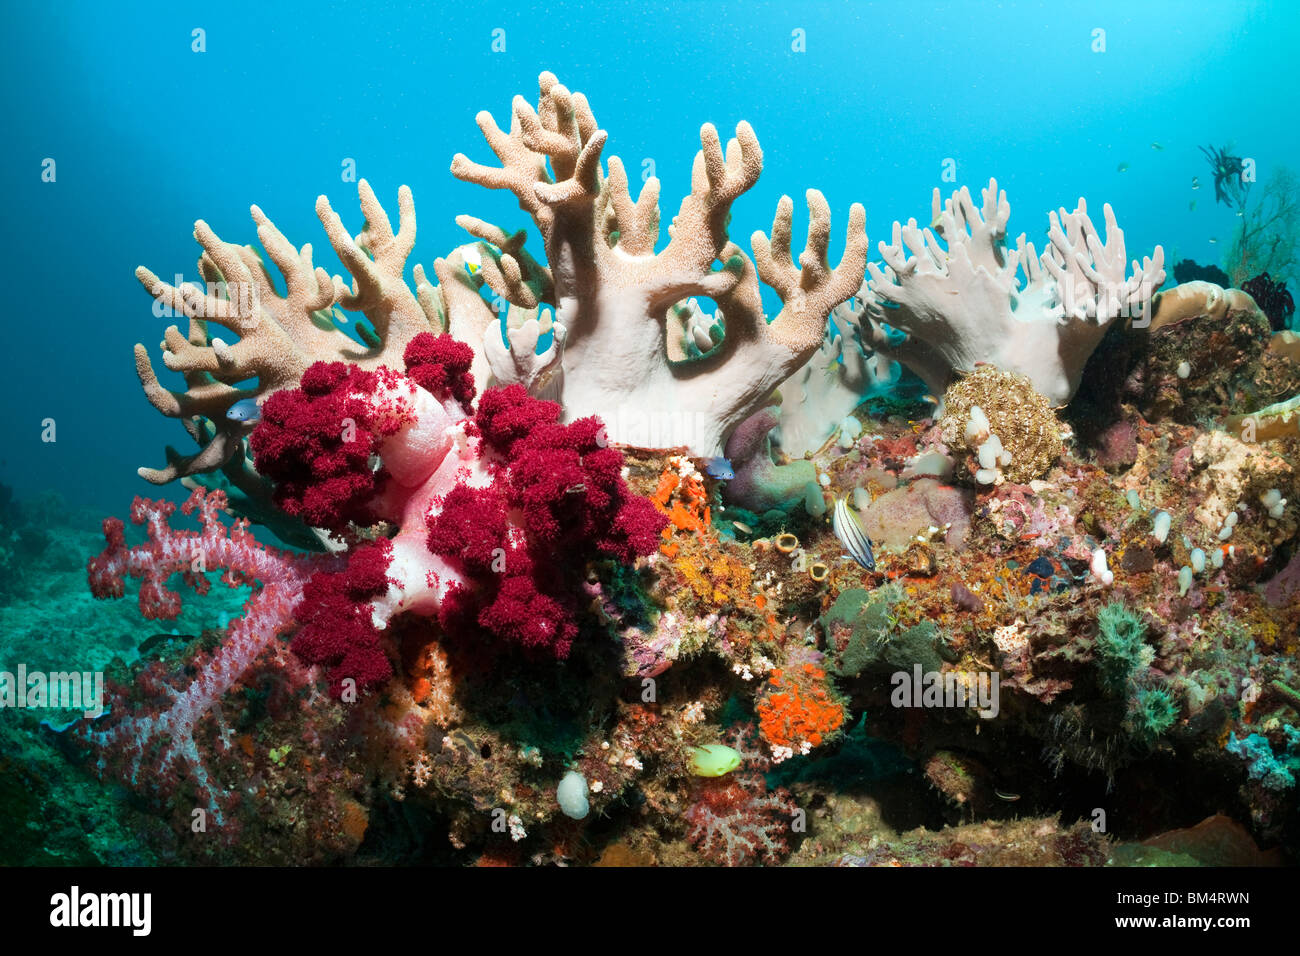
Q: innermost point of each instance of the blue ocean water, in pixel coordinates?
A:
(865, 101)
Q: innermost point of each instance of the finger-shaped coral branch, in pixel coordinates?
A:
(276, 337)
(699, 230)
(810, 292)
(561, 129)
(637, 223)
(537, 276)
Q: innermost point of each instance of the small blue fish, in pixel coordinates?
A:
(719, 467)
(851, 534)
(245, 410)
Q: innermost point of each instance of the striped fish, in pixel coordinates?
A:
(849, 530)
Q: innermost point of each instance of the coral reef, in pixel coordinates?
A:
(161, 738)
(965, 304)
(1206, 354)
(609, 352)
(478, 503)
(580, 589)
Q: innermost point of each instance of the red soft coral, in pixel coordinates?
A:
(565, 487)
(473, 528)
(314, 443)
(521, 614)
(337, 629)
(505, 415)
(440, 364)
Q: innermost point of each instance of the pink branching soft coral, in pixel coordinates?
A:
(735, 820)
(160, 741)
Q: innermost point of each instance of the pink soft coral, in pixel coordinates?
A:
(735, 820)
(160, 740)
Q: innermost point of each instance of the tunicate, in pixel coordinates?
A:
(571, 795)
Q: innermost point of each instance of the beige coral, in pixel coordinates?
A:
(278, 337)
(615, 295)
(1193, 299)
(609, 354)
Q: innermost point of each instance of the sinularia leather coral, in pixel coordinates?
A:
(1026, 428)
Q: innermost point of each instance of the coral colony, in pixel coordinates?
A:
(585, 556)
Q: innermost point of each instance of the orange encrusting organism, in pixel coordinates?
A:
(798, 711)
(685, 501)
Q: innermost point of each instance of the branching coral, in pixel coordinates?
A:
(966, 304)
(614, 293)
(735, 820)
(609, 351)
(279, 336)
(160, 741)
(818, 397)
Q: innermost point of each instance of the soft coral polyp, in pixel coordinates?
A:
(315, 442)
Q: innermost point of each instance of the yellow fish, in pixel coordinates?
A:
(1122, 168)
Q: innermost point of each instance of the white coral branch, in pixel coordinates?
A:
(517, 362)
(966, 303)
